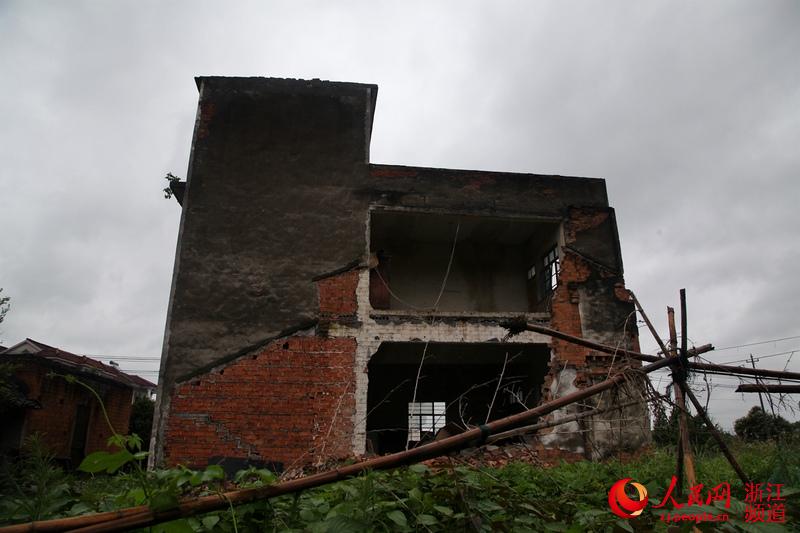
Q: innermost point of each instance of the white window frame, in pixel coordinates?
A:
(425, 417)
(550, 267)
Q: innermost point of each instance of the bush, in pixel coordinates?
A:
(666, 430)
(758, 425)
(141, 421)
(518, 497)
(34, 487)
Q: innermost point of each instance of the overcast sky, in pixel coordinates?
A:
(689, 110)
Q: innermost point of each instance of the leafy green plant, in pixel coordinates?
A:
(34, 487)
(570, 497)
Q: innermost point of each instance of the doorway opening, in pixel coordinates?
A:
(460, 385)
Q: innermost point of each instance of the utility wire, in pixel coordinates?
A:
(756, 343)
(756, 357)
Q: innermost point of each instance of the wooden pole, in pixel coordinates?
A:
(516, 326)
(143, 516)
(760, 399)
(688, 456)
(768, 388)
(715, 433)
(673, 343)
(650, 326)
(524, 430)
(723, 446)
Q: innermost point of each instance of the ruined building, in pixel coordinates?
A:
(310, 283)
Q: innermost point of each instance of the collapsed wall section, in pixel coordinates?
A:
(591, 302)
(291, 401)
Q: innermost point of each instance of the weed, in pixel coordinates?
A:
(34, 487)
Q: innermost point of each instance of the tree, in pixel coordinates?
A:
(8, 391)
(4, 305)
(141, 420)
(758, 425)
(666, 430)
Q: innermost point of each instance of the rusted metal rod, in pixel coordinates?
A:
(768, 388)
(143, 516)
(516, 326)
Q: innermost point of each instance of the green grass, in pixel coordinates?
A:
(519, 497)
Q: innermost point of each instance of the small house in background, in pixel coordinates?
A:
(66, 415)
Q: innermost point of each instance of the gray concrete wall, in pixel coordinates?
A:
(272, 200)
(482, 277)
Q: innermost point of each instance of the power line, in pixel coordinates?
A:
(756, 343)
(757, 357)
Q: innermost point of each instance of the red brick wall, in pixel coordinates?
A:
(55, 421)
(291, 403)
(337, 295)
(565, 315)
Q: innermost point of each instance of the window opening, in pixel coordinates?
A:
(409, 251)
(550, 270)
(425, 417)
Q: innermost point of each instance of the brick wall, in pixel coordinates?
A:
(55, 421)
(565, 315)
(303, 399)
(337, 295)
(291, 403)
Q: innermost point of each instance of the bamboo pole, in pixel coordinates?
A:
(678, 380)
(517, 326)
(650, 326)
(571, 418)
(723, 446)
(760, 399)
(682, 372)
(672, 353)
(143, 516)
(65, 524)
(768, 388)
(715, 433)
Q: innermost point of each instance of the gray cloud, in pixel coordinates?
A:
(689, 110)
